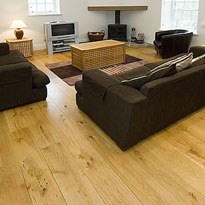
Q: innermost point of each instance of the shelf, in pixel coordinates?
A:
(56, 46)
(120, 8)
(66, 48)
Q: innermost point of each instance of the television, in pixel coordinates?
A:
(55, 30)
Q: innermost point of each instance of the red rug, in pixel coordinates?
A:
(71, 74)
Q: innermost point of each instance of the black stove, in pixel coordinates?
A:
(117, 31)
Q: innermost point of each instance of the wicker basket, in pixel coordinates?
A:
(96, 36)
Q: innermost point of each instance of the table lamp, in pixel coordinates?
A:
(18, 24)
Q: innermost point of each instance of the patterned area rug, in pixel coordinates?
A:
(71, 74)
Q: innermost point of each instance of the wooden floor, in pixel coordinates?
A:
(52, 153)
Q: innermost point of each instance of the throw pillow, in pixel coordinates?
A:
(137, 81)
(162, 72)
(184, 63)
(181, 62)
(198, 61)
(158, 63)
(173, 61)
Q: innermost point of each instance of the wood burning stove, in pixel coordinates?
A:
(117, 31)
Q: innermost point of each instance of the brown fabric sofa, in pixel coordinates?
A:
(172, 42)
(20, 81)
(129, 115)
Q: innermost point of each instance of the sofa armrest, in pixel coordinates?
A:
(15, 73)
(96, 76)
(160, 34)
(197, 50)
(118, 109)
(98, 84)
(4, 48)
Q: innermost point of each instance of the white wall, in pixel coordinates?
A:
(117, 2)
(200, 38)
(148, 22)
(70, 9)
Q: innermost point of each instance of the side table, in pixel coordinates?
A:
(25, 45)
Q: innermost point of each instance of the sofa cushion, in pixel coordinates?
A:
(155, 64)
(158, 70)
(161, 71)
(136, 82)
(197, 61)
(181, 61)
(12, 58)
(10, 74)
(39, 79)
(173, 61)
(142, 70)
(184, 63)
(4, 48)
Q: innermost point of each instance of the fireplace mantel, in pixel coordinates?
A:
(119, 8)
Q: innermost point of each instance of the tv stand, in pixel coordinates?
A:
(60, 35)
(60, 45)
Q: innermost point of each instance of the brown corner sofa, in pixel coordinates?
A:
(20, 81)
(129, 115)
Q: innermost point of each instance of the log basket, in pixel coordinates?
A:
(96, 36)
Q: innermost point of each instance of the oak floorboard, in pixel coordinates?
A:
(85, 161)
(143, 166)
(169, 191)
(41, 185)
(189, 173)
(75, 152)
(192, 133)
(13, 189)
(83, 165)
(74, 185)
(141, 169)
(125, 168)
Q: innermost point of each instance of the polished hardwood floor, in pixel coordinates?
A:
(52, 153)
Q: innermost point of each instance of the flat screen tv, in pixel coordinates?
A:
(61, 29)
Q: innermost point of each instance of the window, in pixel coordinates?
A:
(44, 7)
(180, 14)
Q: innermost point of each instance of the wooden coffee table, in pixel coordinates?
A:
(97, 54)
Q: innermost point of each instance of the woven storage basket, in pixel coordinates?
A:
(96, 36)
(97, 54)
